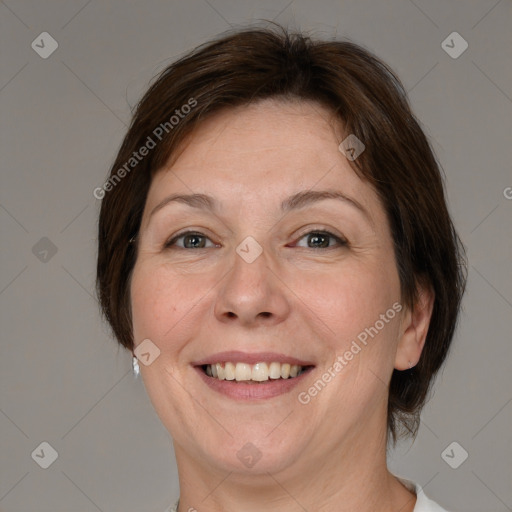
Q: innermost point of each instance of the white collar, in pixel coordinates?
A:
(423, 503)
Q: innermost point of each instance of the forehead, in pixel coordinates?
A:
(270, 149)
(270, 123)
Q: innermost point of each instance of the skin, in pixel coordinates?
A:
(295, 298)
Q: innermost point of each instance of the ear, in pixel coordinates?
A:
(414, 328)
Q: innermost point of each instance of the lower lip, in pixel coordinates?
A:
(256, 391)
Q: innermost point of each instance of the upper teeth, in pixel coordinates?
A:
(258, 372)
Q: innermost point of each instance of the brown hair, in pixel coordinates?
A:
(255, 64)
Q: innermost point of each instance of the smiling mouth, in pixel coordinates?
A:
(253, 373)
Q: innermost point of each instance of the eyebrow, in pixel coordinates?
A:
(294, 202)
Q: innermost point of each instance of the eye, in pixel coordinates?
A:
(191, 240)
(320, 239)
(197, 240)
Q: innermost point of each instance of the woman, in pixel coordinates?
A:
(276, 250)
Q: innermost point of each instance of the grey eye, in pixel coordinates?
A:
(191, 240)
(321, 240)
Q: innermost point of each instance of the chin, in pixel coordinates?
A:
(252, 454)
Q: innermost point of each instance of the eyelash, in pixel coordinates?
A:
(341, 241)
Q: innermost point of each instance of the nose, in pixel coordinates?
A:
(252, 294)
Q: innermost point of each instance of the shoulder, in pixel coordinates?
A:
(423, 502)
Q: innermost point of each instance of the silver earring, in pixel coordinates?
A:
(135, 366)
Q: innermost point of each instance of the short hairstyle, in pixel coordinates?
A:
(254, 64)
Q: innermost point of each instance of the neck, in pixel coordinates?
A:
(352, 477)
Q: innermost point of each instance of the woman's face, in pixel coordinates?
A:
(262, 282)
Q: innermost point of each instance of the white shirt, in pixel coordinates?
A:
(423, 504)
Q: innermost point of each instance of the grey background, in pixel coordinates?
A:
(63, 379)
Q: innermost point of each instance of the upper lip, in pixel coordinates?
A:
(236, 356)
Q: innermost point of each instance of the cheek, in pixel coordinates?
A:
(360, 309)
(164, 303)
(349, 299)
(147, 302)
